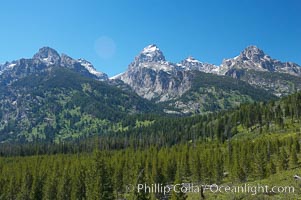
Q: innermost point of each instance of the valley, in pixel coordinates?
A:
(70, 132)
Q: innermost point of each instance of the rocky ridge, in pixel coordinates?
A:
(44, 60)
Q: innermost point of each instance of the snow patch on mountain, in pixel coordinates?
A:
(117, 76)
(149, 49)
(90, 67)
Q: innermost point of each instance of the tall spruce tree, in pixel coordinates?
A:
(141, 179)
(177, 193)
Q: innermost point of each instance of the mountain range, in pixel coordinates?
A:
(154, 78)
(44, 60)
(55, 97)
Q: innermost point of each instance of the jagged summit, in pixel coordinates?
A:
(254, 49)
(154, 78)
(252, 53)
(44, 60)
(150, 48)
(47, 55)
(149, 54)
(45, 52)
(92, 70)
(191, 63)
(253, 58)
(192, 59)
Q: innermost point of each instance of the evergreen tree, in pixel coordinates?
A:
(195, 167)
(177, 193)
(50, 189)
(26, 185)
(271, 168)
(100, 185)
(237, 171)
(283, 160)
(293, 159)
(64, 186)
(297, 145)
(12, 190)
(260, 165)
(157, 175)
(79, 187)
(37, 187)
(118, 177)
(170, 168)
(141, 179)
(218, 166)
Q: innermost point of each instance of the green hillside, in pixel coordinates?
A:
(254, 144)
(61, 104)
(210, 92)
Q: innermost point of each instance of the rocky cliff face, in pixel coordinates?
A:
(191, 63)
(154, 78)
(252, 58)
(44, 60)
(258, 69)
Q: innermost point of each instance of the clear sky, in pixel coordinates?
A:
(209, 30)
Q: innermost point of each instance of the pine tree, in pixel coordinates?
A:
(26, 185)
(157, 175)
(79, 187)
(170, 168)
(260, 165)
(185, 162)
(238, 172)
(218, 166)
(118, 177)
(50, 189)
(195, 167)
(12, 189)
(37, 186)
(271, 168)
(64, 186)
(141, 179)
(177, 193)
(297, 145)
(283, 160)
(100, 185)
(293, 159)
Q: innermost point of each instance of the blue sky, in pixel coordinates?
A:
(208, 30)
